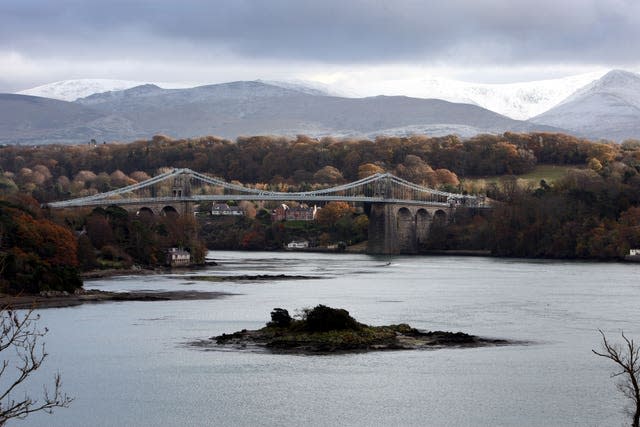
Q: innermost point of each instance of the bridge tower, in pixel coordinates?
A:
(383, 236)
(181, 189)
(395, 228)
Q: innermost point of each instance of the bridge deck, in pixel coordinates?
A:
(379, 188)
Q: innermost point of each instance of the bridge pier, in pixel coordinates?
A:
(383, 238)
(400, 229)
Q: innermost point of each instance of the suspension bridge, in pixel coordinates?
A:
(399, 216)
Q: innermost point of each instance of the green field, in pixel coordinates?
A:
(549, 173)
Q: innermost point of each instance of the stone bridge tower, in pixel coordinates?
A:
(400, 229)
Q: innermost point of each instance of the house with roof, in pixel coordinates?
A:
(223, 209)
(298, 244)
(300, 213)
(178, 257)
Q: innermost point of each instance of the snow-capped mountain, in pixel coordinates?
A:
(519, 101)
(515, 100)
(305, 86)
(607, 108)
(70, 90)
(618, 83)
(238, 108)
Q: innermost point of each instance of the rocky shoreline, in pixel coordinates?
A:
(250, 277)
(141, 271)
(112, 272)
(63, 299)
(377, 338)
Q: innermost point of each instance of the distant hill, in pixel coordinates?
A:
(70, 90)
(607, 108)
(34, 120)
(242, 108)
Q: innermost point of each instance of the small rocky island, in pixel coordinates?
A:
(324, 330)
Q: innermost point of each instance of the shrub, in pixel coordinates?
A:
(280, 318)
(322, 318)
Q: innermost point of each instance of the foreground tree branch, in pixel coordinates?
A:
(19, 345)
(627, 357)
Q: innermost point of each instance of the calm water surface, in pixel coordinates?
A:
(129, 364)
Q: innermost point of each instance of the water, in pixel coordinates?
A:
(129, 363)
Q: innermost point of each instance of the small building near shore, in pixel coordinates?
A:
(298, 244)
(633, 256)
(223, 209)
(178, 257)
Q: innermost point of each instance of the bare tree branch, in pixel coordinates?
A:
(20, 334)
(627, 357)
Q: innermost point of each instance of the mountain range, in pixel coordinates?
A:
(608, 107)
(519, 101)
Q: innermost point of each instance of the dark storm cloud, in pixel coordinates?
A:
(334, 31)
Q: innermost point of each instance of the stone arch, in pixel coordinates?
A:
(169, 211)
(144, 211)
(440, 217)
(423, 222)
(99, 210)
(406, 230)
(116, 212)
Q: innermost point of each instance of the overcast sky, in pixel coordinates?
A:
(210, 41)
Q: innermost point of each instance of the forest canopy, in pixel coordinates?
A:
(591, 211)
(57, 172)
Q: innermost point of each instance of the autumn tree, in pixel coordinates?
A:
(328, 175)
(368, 169)
(416, 170)
(332, 212)
(139, 176)
(446, 177)
(38, 254)
(248, 208)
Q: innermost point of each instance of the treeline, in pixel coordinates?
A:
(114, 238)
(36, 254)
(56, 172)
(591, 213)
(588, 214)
(41, 250)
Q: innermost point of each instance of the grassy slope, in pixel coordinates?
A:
(549, 173)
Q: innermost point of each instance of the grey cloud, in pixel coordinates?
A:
(334, 31)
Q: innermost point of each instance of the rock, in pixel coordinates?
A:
(324, 330)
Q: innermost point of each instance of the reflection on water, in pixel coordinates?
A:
(127, 363)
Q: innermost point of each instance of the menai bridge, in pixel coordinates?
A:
(400, 212)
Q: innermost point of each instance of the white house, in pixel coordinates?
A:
(298, 244)
(222, 209)
(178, 257)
